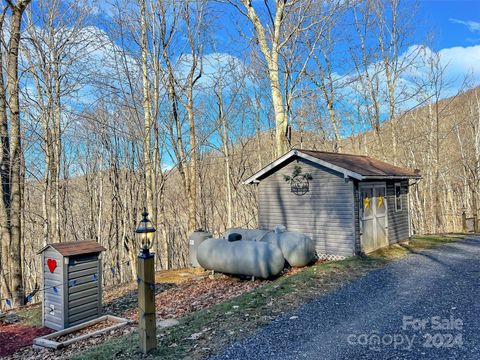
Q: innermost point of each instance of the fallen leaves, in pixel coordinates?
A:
(122, 300)
(193, 295)
(98, 326)
(14, 336)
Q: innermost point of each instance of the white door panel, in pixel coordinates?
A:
(373, 216)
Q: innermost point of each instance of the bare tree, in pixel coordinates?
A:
(383, 32)
(271, 39)
(12, 204)
(5, 174)
(56, 44)
(181, 91)
(322, 43)
(147, 113)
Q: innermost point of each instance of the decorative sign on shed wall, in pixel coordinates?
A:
(299, 182)
(72, 290)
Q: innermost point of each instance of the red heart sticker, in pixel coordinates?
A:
(52, 265)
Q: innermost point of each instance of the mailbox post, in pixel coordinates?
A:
(147, 324)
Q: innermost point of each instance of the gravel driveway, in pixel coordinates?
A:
(424, 306)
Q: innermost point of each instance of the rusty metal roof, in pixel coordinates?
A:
(75, 248)
(359, 167)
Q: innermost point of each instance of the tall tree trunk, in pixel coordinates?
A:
(192, 196)
(226, 153)
(270, 53)
(15, 155)
(281, 123)
(336, 131)
(5, 178)
(147, 156)
(438, 210)
(57, 148)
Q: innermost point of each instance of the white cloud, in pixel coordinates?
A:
(462, 61)
(458, 62)
(473, 26)
(91, 63)
(461, 66)
(215, 65)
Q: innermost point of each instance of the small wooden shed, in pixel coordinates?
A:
(72, 283)
(348, 204)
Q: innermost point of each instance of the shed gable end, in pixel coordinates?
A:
(325, 212)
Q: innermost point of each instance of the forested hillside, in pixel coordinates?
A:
(169, 105)
(442, 140)
(95, 201)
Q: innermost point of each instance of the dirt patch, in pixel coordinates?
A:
(14, 337)
(179, 275)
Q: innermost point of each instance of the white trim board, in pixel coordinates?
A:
(47, 341)
(346, 173)
(292, 153)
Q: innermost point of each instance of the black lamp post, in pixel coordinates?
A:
(147, 325)
(146, 233)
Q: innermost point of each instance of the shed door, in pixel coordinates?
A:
(374, 216)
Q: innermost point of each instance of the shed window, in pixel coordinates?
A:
(398, 197)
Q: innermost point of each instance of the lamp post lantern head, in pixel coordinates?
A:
(146, 232)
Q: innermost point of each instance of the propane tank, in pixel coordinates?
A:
(252, 258)
(195, 239)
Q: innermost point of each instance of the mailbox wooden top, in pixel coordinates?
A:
(73, 248)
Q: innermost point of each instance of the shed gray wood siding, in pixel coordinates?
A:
(84, 297)
(53, 318)
(398, 226)
(325, 213)
(356, 202)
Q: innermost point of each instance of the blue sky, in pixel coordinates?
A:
(450, 27)
(455, 26)
(455, 23)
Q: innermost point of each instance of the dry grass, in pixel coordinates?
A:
(179, 275)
